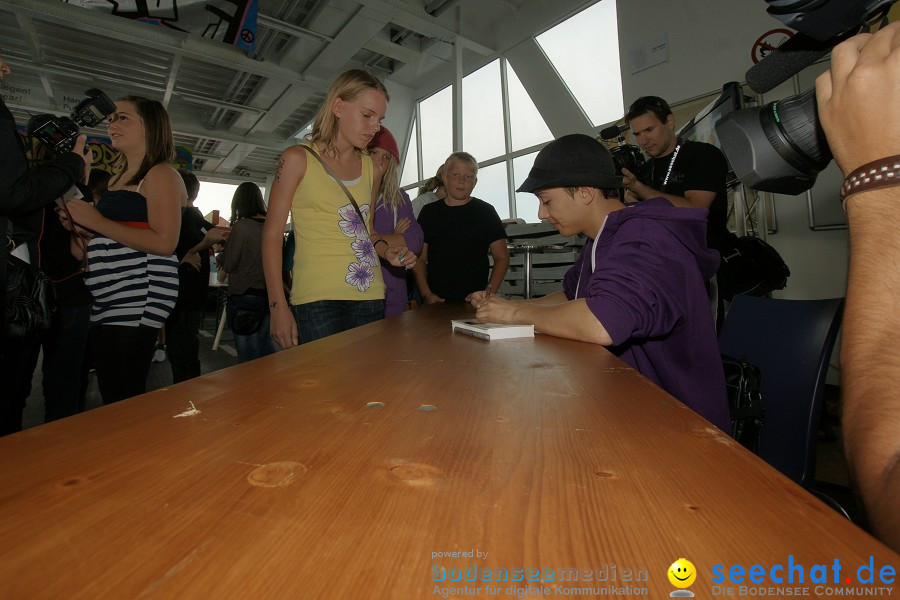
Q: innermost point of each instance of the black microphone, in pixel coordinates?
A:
(788, 59)
(613, 131)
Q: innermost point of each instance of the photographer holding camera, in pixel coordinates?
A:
(24, 192)
(859, 111)
(688, 174)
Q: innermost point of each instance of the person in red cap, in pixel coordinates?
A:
(394, 220)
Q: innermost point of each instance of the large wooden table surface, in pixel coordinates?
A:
(543, 453)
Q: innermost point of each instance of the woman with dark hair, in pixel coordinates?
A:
(247, 307)
(132, 273)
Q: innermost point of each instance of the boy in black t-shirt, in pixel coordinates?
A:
(459, 233)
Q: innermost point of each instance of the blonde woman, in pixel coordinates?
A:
(394, 220)
(337, 281)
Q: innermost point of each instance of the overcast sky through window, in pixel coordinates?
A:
(584, 50)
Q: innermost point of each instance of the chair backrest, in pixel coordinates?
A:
(791, 342)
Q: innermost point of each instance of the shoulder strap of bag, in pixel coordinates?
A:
(340, 183)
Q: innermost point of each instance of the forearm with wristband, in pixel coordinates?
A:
(875, 175)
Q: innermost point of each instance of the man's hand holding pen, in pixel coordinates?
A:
(490, 308)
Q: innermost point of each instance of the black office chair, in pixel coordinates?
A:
(791, 342)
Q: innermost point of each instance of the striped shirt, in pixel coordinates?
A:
(129, 287)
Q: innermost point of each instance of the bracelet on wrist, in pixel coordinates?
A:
(878, 174)
(375, 243)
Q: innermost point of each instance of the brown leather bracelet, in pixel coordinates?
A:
(878, 174)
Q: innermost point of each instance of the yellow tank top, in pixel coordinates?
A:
(333, 258)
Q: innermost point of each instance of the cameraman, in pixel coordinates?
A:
(23, 192)
(689, 174)
(860, 114)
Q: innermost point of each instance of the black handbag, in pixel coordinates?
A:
(751, 266)
(30, 300)
(246, 321)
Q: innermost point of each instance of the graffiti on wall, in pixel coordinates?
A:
(229, 21)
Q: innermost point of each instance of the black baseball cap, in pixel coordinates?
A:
(574, 160)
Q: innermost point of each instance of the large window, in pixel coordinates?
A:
(585, 52)
(410, 173)
(436, 122)
(493, 188)
(526, 125)
(482, 113)
(526, 204)
(502, 126)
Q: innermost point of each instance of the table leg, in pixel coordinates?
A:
(221, 326)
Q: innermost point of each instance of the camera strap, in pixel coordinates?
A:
(83, 267)
(671, 164)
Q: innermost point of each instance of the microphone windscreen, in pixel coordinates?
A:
(787, 60)
(612, 131)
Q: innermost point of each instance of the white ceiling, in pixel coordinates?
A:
(237, 112)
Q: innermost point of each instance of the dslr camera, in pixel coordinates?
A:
(780, 147)
(625, 155)
(59, 133)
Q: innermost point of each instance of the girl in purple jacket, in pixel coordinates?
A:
(393, 219)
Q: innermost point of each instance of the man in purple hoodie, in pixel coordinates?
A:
(638, 286)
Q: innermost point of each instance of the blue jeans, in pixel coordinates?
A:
(316, 320)
(259, 343)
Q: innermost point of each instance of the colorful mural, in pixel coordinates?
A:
(229, 21)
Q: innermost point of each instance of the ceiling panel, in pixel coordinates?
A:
(236, 112)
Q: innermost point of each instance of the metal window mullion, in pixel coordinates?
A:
(507, 140)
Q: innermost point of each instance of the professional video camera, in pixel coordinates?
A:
(625, 155)
(59, 133)
(781, 147)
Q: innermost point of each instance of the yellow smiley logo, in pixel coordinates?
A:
(682, 573)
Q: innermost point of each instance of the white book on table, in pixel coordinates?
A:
(491, 331)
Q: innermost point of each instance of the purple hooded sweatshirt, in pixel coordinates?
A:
(395, 295)
(648, 290)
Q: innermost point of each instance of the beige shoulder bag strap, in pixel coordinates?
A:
(341, 183)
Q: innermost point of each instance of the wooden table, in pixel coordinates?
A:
(291, 481)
